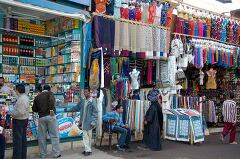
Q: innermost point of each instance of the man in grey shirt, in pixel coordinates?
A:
(20, 114)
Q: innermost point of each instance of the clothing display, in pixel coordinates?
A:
(134, 79)
(201, 76)
(136, 110)
(216, 27)
(211, 83)
(145, 42)
(139, 56)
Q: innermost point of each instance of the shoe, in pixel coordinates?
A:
(120, 148)
(234, 143)
(58, 156)
(126, 147)
(83, 152)
(221, 138)
(87, 153)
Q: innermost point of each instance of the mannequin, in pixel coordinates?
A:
(201, 76)
(165, 99)
(134, 79)
(211, 83)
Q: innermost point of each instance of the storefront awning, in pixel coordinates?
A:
(48, 7)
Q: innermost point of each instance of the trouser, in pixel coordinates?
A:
(125, 137)
(229, 127)
(48, 125)
(19, 128)
(87, 140)
(2, 146)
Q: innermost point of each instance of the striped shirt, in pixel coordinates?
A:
(229, 111)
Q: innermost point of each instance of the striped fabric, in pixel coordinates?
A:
(229, 111)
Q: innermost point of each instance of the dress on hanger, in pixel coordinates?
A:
(138, 16)
(101, 6)
(152, 13)
(211, 83)
(145, 13)
(157, 17)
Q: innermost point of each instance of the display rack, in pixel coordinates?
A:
(27, 57)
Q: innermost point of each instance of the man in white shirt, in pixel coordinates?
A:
(4, 88)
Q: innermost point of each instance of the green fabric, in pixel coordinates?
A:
(114, 66)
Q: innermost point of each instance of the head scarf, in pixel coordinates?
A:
(153, 95)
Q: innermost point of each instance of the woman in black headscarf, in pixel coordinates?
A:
(153, 122)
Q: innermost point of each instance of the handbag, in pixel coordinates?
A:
(180, 75)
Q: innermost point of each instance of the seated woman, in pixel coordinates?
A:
(120, 127)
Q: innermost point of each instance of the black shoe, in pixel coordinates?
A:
(87, 153)
(83, 152)
(126, 147)
(58, 156)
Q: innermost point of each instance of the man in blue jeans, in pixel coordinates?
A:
(44, 105)
(120, 127)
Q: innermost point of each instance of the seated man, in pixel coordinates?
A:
(119, 127)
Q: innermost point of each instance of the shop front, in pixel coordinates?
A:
(41, 42)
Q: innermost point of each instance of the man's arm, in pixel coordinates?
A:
(52, 101)
(35, 107)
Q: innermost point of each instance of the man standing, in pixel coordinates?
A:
(88, 119)
(20, 115)
(44, 105)
(229, 113)
(4, 88)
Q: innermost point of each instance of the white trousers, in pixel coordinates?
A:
(87, 140)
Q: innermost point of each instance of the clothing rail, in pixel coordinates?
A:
(129, 21)
(205, 38)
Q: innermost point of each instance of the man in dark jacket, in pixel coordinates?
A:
(44, 105)
(88, 119)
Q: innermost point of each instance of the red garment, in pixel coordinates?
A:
(152, 13)
(138, 14)
(149, 73)
(169, 17)
(100, 6)
(231, 60)
(229, 127)
(200, 28)
(191, 27)
(231, 32)
(124, 12)
(238, 35)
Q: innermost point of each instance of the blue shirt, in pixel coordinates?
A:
(114, 115)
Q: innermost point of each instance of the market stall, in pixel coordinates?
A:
(41, 42)
(206, 46)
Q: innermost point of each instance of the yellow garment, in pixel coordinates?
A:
(94, 75)
(211, 83)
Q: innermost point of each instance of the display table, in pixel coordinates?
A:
(183, 125)
(67, 122)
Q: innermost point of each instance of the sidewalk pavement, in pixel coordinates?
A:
(77, 154)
